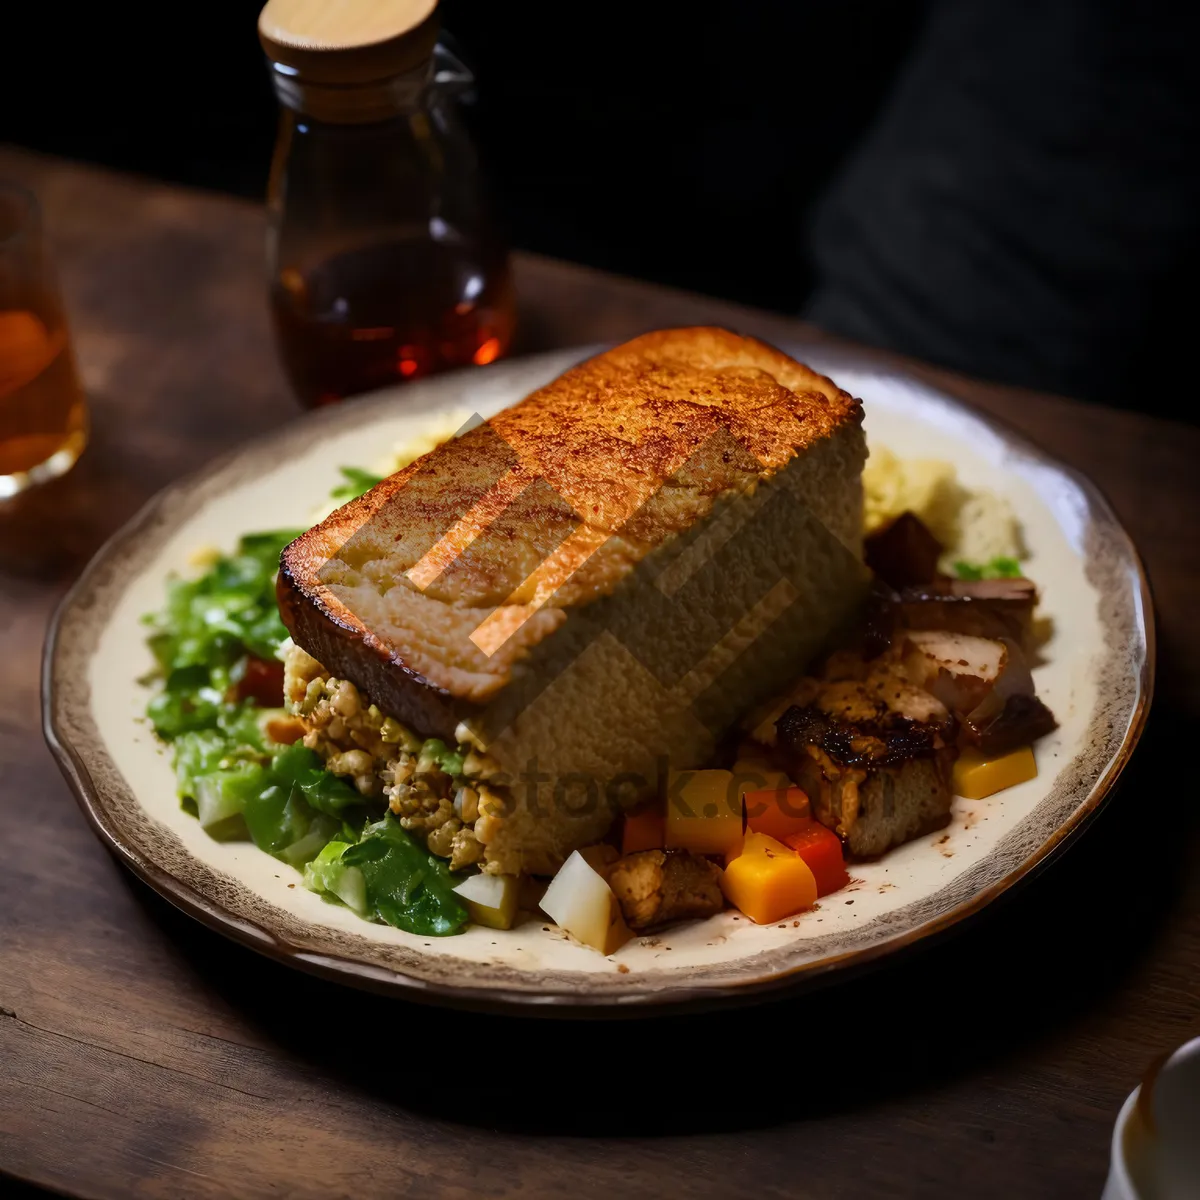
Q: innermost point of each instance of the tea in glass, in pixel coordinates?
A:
(43, 413)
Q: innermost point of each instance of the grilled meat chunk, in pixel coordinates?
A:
(1000, 725)
(989, 608)
(985, 682)
(871, 739)
(961, 670)
(874, 756)
(657, 886)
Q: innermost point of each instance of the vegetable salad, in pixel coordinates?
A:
(218, 703)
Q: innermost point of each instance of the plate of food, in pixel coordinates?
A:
(606, 679)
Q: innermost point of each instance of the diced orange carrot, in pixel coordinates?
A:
(643, 830)
(777, 812)
(767, 881)
(285, 729)
(821, 849)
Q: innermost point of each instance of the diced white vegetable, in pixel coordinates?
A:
(490, 899)
(580, 902)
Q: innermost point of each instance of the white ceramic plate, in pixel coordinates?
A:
(1097, 680)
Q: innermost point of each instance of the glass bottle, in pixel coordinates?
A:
(384, 263)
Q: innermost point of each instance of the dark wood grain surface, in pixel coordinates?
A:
(141, 1055)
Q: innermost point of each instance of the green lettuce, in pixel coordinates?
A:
(208, 627)
(242, 785)
(406, 886)
(358, 483)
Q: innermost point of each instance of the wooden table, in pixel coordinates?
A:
(141, 1055)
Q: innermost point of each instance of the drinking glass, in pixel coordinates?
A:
(43, 412)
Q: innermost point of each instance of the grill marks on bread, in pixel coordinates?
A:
(551, 503)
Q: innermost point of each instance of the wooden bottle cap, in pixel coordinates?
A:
(346, 42)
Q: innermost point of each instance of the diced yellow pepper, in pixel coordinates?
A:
(704, 811)
(767, 881)
(976, 776)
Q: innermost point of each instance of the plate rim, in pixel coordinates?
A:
(500, 998)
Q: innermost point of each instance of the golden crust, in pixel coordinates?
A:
(493, 537)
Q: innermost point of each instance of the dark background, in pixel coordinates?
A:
(1005, 187)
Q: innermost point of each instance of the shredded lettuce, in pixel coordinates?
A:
(406, 885)
(387, 876)
(358, 483)
(210, 625)
(221, 797)
(241, 785)
(329, 876)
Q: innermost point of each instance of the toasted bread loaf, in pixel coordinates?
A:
(600, 578)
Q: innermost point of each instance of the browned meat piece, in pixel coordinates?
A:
(991, 608)
(903, 552)
(997, 727)
(871, 740)
(657, 886)
(960, 670)
(874, 756)
(880, 620)
(985, 682)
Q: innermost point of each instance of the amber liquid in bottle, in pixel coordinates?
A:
(383, 314)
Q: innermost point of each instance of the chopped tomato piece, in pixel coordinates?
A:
(777, 812)
(821, 849)
(262, 682)
(645, 830)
